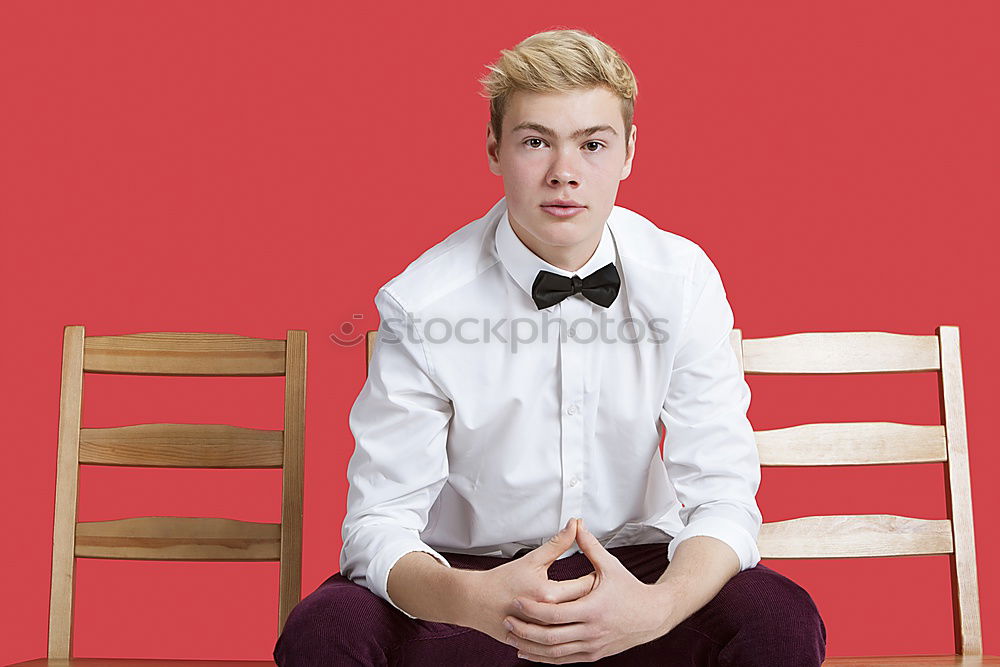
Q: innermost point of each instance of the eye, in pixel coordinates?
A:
(593, 146)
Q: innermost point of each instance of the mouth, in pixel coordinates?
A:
(561, 209)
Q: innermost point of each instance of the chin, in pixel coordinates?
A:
(561, 233)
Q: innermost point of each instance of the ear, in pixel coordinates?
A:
(629, 154)
(492, 150)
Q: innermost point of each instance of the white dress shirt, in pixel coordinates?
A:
(475, 437)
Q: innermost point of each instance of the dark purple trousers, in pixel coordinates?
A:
(760, 617)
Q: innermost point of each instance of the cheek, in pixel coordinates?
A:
(527, 163)
(610, 165)
(523, 184)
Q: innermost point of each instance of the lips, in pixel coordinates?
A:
(561, 211)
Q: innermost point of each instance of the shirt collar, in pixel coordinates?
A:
(523, 264)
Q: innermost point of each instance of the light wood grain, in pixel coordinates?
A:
(736, 341)
(60, 643)
(173, 446)
(293, 464)
(370, 338)
(183, 353)
(182, 446)
(179, 538)
(854, 536)
(958, 493)
(841, 352)
(880, 442)
(852, 443)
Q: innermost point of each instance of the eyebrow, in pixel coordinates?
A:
(585, 132)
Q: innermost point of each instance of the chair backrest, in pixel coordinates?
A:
(872, 443)
(176, 446)
(876, 443)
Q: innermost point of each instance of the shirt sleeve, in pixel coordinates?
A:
(709, 450)
(399, 465)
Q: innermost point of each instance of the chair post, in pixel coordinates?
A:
(290, 576)
(67, 483)
(736, 340)
(958, 490)
(370, 339)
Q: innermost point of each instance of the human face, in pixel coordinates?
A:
(561, 146)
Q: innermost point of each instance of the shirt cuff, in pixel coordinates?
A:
(387, 558)
(730, 532)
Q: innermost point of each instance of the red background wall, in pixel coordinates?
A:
(258, 166)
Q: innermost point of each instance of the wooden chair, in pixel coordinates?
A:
(878, 443)
(175, 446)
(874, 443)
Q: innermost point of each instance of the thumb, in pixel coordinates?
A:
(557, 544)
(593, 549)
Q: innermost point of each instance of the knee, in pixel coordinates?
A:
(781, 614)
(341, 622)
(799, 613)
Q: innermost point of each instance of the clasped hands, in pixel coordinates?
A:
(579, 620)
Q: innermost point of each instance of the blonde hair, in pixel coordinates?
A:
(558, 61)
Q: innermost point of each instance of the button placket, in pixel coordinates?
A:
(573, 361)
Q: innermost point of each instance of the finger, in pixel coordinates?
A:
(555, 546)
(573, 611)
(571, 659)
(569, 589)
(541, 639)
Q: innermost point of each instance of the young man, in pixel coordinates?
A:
(525, 371)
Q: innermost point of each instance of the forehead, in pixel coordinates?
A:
(564, 111)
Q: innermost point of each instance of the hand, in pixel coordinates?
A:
(619, 613)
(527, 577)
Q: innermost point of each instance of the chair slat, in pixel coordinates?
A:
(852, 443)
(178, 538)
(170, 353)
(182, 446)
(841, 352)
(854, 536)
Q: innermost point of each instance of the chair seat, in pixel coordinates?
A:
(856, 661)
(907, 660)
(138, 662)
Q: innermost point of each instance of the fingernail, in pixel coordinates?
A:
(507, 624)
(582, 526)
(517, 603)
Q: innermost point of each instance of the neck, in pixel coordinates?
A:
(567, 258)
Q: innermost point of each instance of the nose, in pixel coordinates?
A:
(564, 170)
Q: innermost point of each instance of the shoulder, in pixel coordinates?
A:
(447, 265)
(640, 241)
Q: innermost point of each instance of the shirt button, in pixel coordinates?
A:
(573, 481)
(571, 409)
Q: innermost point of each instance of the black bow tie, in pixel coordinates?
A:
(601, 287)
